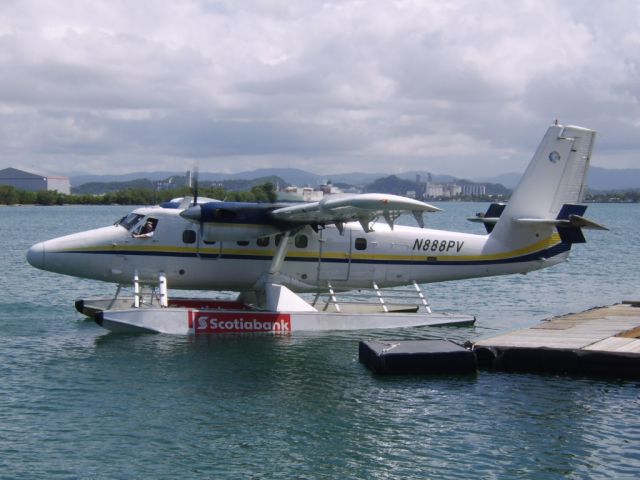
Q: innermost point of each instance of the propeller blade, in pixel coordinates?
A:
(195, 185)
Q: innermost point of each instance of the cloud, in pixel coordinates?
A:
(465, 88)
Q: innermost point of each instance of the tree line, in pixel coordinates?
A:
(622, 196)
(147, 196)
(133, 196)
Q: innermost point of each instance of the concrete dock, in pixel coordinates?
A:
(604, 341)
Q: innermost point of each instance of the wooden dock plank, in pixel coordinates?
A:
(603, 340)
(616, 344)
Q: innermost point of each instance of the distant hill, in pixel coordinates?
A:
(598, 179)
(391, 184)
(242, 184)
(77, 180)
(509, 180)
(93, 188)
(291, 176)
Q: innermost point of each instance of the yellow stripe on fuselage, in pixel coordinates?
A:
(417, 256)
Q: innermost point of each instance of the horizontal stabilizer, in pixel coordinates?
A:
(581, 222)
(486, 220)
(490, 218)
(569, 223)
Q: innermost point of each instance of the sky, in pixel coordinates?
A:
(465, 88)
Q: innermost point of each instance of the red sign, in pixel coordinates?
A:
(239, 322)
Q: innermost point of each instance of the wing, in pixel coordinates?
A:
(363, 208)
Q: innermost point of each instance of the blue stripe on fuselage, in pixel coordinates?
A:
(539, 255)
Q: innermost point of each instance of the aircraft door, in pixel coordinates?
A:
(206, 250)
(334, 259)
(119, 263)
(363, 266)
(397, 269)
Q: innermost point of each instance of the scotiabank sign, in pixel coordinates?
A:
(210, 322)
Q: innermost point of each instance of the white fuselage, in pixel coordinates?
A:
(353, 259)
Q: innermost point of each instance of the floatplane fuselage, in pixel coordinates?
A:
(348, 260)
(266, 252)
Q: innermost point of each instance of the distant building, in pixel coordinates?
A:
(299, 194)
(442, 190)
(474, 190)
(309, 194)
(32, 182)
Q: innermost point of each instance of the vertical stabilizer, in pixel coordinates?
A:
(555, 176)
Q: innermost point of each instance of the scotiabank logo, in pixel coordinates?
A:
(206, 322)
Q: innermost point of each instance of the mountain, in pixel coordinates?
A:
(509, 180)
(293, 176)
(77, 180)
(609, 179)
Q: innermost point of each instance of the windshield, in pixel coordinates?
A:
(130, 220)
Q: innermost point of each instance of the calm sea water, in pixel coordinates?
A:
(79, 402)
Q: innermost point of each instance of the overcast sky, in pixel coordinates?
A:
(465, 88)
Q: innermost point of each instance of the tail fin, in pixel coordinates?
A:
(556, 176)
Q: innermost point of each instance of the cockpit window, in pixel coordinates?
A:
(146, 229)
(130, 220)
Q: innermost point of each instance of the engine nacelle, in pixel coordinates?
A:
(223, 221)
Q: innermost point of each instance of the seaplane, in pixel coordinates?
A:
(273, 254)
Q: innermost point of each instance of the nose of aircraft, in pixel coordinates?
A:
(35, 255)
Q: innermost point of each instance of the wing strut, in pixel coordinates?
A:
(272, 295)
(281, 253)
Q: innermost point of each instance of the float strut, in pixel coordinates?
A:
(332, 298)
(162, 280)
(136, 290)
(380, 297)
(425, 303)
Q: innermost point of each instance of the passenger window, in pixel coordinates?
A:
(263, 242)
(301, 241)
(243, 243)
(361, 243)
(278, 239)
(189, 236)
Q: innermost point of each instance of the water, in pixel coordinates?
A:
(78, 402)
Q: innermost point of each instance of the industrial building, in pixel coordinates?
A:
(32, 182)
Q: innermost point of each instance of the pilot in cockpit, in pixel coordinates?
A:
(147, 230)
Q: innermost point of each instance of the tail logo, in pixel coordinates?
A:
(554, 157)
